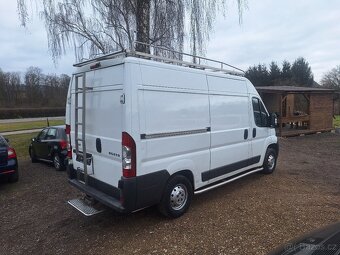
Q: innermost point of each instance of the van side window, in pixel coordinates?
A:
(260, 114)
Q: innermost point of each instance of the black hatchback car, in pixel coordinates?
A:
(50, 146)
(8, 161)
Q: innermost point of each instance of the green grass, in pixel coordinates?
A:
(20, 143)
(336, 121)
(28, 125)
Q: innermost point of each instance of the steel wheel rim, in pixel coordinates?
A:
(178, 197)
(271, 161)
(56, 162)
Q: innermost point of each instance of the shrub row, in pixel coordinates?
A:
(13, 113)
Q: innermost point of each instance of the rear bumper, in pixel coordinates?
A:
(98, 195)
(132, 193)
(10, 168)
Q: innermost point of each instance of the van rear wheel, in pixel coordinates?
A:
(177, 197)
(269, 162)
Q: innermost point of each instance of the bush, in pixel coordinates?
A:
(15, 113)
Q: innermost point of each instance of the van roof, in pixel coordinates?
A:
(196, 62)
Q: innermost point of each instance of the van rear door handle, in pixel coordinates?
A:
(254, 132)
(245, 136)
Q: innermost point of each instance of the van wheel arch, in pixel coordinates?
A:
(274, 146)
(188, 174)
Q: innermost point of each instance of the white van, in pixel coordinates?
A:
(157, 130)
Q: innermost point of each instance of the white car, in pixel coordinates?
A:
(156, 131)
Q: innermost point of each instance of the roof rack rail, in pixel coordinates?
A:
(170, 56)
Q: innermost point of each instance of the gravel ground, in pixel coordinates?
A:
(250, 216)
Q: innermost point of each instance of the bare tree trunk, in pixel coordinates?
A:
(143, 25)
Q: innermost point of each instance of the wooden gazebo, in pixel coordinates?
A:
(300, 110)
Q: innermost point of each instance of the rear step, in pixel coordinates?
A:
(84, 207)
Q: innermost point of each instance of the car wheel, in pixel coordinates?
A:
(176, 197)
(58, 164)
(14, 177)
(32, 155)
(270, 160)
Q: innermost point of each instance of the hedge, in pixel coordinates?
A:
(14, 113)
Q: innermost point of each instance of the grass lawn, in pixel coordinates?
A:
(336, 121)
(20, 143)
(28, 125)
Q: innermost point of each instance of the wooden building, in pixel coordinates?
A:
(300, 110)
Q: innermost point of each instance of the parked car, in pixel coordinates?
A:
(324, 241)
(8, 161)
(149, 133)
(50, 146)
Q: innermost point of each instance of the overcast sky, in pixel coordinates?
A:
(271, 30)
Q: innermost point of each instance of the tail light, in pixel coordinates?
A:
(128, 156)
(63, 144)
(11, 153)
(68, 145)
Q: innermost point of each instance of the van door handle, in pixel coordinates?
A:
(245, 136)
(254, 132)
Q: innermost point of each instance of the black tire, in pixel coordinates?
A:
(269, 162)
(14, 177)
(32, 155)
(180, 188)
(57, 163)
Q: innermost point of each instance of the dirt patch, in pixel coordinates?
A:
(249, 216)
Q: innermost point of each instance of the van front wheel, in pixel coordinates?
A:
(176, 197)
(269, 162)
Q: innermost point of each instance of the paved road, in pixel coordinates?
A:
(21, 131)
(31, 119)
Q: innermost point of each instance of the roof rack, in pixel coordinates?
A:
(170, 56)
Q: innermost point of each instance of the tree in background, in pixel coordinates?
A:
(258, 75)
(298, 74)
(102, 26)
(302, 73)
(38, 89)
(332, 79)
(33, 81)
(286, 73)
(274, 73)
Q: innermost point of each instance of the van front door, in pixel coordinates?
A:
(259, 131)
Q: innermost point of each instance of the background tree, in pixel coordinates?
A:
(332, 79)
(302, 73)
(286, 74)
(102, 26)
(33, 80)
(36, 90)
(298, 74)
(274, 73)
(258, 75)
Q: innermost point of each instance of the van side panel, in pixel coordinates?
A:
(176, 123)
(230, 150)
(103, 123)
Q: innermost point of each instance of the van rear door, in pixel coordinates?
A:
(103, 123)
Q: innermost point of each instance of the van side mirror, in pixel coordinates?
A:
(272, 120)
